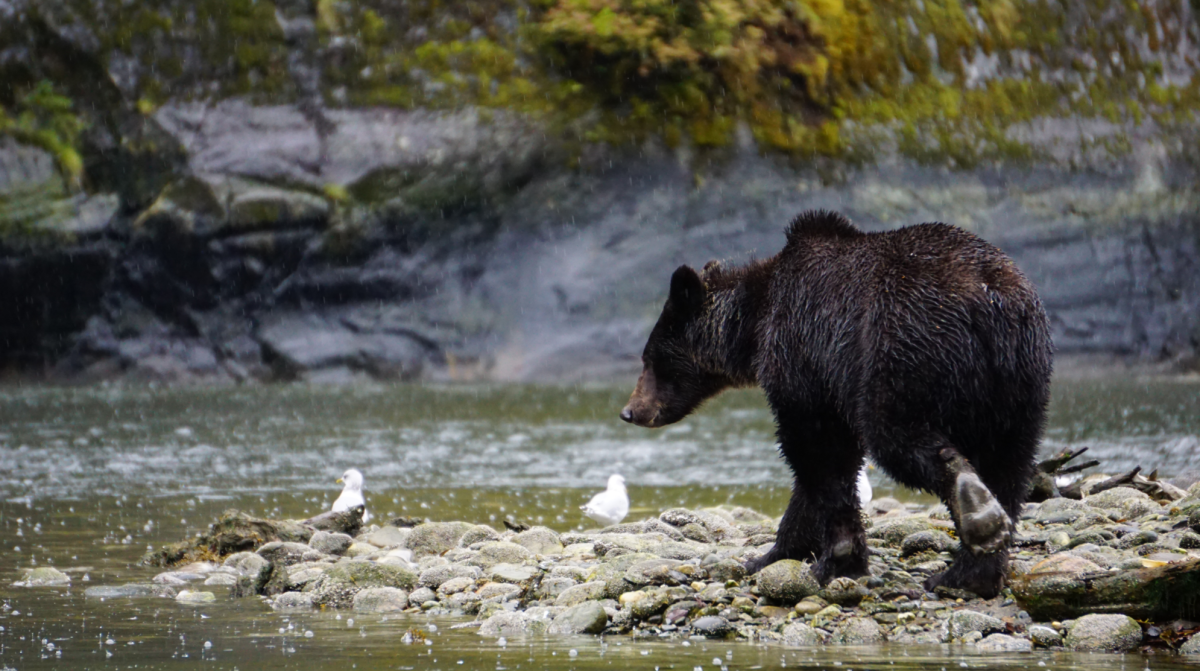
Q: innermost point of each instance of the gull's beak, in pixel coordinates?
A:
(339, 481)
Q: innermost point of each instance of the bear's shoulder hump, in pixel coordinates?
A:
(821, 224)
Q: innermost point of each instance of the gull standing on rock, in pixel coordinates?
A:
(351, 493)
(611, 505)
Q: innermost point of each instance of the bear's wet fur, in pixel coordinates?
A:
(923, 347)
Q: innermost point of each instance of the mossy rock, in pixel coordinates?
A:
(344, 580)
(233, 532)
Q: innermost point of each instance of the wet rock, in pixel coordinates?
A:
(44, 576)
(479, 534)
(894, 533)
(787, 581)
(330, 543)
(420, 595)
(501, 590)
(454, 586)
(234, 532)
(1104, 633)
(1191, 647)
(588, 617)
(649, 605)
(1112, 498)
(1003, 643)
(1149, 593)
(284, 554)
(588, 591)
(857, 631)
(1135, 539)
(844, 592)
(435, 576)
(389, 536)
(927, 540)
(1044, 637)
(380, 600)
(552, 587)
(135, 590)
(190, 597)
(712, 626)
(221, 579)
(347, 522)
(247, 563)
(500, 552)
(963, 622)
(505, 624)
(436, 538)
(801, 635)
(539, 541)
(512, 573)
(724, 570)
(342, 581)
(292, 601)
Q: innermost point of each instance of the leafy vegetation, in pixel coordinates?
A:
(44, 118)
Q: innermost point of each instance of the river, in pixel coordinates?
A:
(91, 477)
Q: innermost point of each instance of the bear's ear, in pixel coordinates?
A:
(687, 290)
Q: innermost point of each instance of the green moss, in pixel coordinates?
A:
(44, 118)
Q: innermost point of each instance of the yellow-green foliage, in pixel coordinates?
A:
(44, 118)
(798, 71)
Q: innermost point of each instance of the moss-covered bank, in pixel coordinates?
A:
(943, 81)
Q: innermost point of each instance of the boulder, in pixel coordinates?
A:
(801, 635)
(1004, 643)
(539, 541)
(500, 552)
(588, 617)
(1104, 633)
(436, 538)
(330, 543)
(712, 626)
(928, 539)
(787, 581)
(963, 622)
(857, 631)
(380, 600)
(292, 601)
(588, 591)
(342, 581)
(42, 577)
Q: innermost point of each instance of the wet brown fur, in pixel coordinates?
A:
(922, 347)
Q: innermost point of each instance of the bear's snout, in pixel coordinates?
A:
(627, 415)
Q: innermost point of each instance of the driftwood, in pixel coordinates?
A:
(1043, 485)
(1162, 593)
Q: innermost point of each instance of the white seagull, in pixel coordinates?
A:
(611, 505)
(351, 493)
(864, 488)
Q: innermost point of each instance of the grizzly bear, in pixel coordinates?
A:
(923, 347)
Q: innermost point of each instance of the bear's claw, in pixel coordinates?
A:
(983, 524)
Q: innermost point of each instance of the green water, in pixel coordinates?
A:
(92, 477)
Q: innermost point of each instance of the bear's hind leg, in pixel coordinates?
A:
(984, 526)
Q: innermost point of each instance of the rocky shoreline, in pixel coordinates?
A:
(1081, 572)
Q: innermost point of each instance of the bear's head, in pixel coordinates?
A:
(674, 382)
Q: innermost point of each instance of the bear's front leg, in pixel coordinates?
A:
(822, 522)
